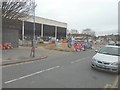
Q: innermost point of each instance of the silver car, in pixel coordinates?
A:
(107, 59)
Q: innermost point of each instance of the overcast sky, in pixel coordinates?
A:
(99, 15)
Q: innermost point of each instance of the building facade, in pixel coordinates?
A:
(13, 30)
(10, 31)
(43, 28)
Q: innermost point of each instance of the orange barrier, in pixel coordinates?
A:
(6, 46)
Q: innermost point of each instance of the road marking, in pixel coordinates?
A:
(107, 86)
(79, 60)
(114, 84)
(10, 81)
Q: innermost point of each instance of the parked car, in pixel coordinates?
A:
(111, 43)
(88, 45)
(107, 59)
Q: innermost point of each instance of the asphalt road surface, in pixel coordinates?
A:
(67, 70)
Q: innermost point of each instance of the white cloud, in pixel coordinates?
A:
(81, 14)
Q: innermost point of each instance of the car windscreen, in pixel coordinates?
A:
(110, 51)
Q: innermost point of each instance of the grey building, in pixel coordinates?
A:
(10, 31)
(43, 28)
(13, 30)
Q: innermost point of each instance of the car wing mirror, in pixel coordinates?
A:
(96, 51)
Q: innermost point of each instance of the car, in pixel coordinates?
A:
(88, 45)
(106, 59)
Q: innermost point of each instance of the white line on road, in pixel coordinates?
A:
(79, 60)
(30, 75)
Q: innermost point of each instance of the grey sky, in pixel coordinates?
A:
(99, 15)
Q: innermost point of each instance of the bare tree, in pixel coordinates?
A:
(14, 10)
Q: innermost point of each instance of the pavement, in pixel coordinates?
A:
(20, 55)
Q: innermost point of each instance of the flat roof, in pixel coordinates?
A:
(45, 21)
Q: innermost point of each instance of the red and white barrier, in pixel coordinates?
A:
(6, 46)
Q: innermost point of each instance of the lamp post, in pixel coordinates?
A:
(34, 19)
(33, 40)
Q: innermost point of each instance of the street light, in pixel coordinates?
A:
(33, 41)
(34, 19)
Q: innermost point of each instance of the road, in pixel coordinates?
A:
(67, 70)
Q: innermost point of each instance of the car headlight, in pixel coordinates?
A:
(115, 63)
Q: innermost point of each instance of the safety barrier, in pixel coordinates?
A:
(5, 46)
